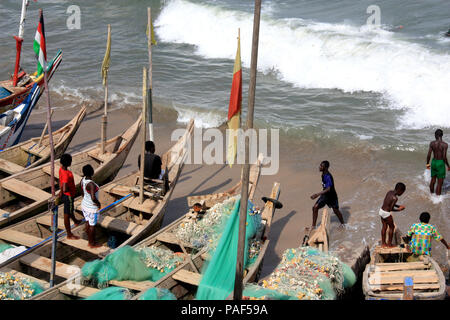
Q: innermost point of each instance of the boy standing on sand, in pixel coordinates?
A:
(328, 195)
(389, 205)
(67, 193)
(439, 149)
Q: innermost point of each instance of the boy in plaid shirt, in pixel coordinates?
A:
(421, 235)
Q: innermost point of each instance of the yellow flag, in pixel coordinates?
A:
(150, 27)
(106, 59)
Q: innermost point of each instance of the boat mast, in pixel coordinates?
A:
(19, 40)
(143, 134)
(238, 285)
(150, 72)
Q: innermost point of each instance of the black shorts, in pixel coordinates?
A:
(331, 202)
(68, 204)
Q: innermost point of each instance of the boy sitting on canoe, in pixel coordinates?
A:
(420, 235)
(67, 193)
(389, 205)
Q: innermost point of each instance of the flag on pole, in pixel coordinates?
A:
(234, 109)
(152, 32)
(39, 46)
(106, 59)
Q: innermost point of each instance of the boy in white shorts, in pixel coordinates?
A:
(389, 205)
(90, 204)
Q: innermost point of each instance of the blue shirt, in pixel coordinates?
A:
(328, 182)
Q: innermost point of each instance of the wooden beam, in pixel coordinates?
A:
(399, 276)
(187, 277)
(10, 167)
(399, 287)
(83, 245)
(133, 285)
(20, 238)
(44, 264)
(25, 190)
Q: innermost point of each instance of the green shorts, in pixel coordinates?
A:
(438, 168)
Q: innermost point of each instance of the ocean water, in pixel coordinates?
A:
(325, 75)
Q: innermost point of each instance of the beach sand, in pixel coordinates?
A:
(361, 178)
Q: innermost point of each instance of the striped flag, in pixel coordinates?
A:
(106, 59)
(39, 46)
(234, 109)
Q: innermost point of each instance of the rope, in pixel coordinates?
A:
(29, 155)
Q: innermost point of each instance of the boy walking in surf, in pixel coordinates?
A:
(437, 166)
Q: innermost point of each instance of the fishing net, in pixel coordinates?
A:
(111, 293)
(126, 263)
(17, 288)
(255, 292)
(307, 273)
(218, 275)
(5, 246)
(157, 294)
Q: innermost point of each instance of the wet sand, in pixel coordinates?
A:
(361, 179)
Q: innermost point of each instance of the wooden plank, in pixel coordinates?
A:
(47, 221)
(417, 286)
(187, 277)
(25, 189)
(120, 225)
(398, 277)
(20, 238)
(10, 167)
(401, 266)
(78, 290)
(45, 264)
(380, 250)
(169, 237)
(133, 285)
(147, 206)
(47, 170)
(83, 245)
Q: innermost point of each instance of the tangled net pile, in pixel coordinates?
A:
(305, 273)
(157, 294)
(17, 288)
(111, 293)
(126, 263)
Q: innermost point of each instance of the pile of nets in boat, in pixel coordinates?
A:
(8, 251)
(111, 293)
(305, 273)
(206, 232)
(127, 263)
(218, 274)
(17, 288)
(157, 294)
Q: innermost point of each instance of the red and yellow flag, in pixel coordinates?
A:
(234, 109)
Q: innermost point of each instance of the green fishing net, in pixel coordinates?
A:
(219, 273)
(157, 294)
(126, 263)
(5, 246)
(17, 288)
(111, 293)
(307, 273)
(255, 292)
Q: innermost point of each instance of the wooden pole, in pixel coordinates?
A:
(150, 72)
(105, 112)
(52, 173)
(144, 134)
(43, 131)
(238, 285)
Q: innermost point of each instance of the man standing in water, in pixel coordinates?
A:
(439, 149)
(328, 195)
(390, 205)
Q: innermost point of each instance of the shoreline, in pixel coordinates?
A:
(361, 181)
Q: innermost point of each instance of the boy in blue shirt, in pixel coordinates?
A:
(328, 195)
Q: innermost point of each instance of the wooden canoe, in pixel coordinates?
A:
(319, 238)
(11, 96)
(163, 238)
(124, 220)
(34, 152)
(27, 193)
(384, 276)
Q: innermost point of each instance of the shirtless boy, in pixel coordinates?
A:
(437, 166)
(390, 205)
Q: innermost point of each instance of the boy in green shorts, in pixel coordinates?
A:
(439, 150)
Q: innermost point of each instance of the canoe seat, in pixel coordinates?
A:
(77, 290)
(47, 221)
(105, 157)
(169, 237)
(398, 277)
(120, 225)
(45, 264)
(25, 190)
(34, 149)
(47, 170)
(399, 287)
(147, 206)
(83, 245)
(10, 167)
(133, 285)
(19, 238)
(187, 277)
